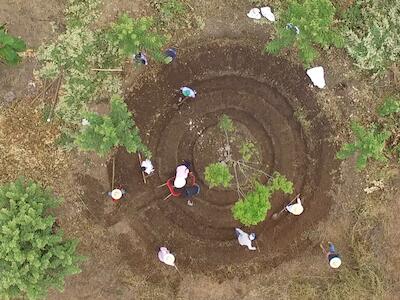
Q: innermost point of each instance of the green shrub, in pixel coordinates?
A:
(390, 106)
(390, 122)
(169, 10)
(226, 124)
(9, 47)
(369, 143)
(280, 182)
(315, 20)
(135, 35)
(172, 15)
(33, 258)
(253, 208)
(80, 13)
(106, 132)
(373, 33)
(218, 174)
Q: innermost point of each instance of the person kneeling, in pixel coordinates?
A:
(191, 191)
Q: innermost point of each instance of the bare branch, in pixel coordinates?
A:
(255, 169)
(239, 191)
(108, 70)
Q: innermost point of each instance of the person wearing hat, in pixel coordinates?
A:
(332, 255)
(116, 194)
(166, 257)
(295, 208)
(245, 239)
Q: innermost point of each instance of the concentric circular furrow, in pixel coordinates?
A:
(261, 94)
(251, 103)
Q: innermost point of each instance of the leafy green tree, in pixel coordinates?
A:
(369, 143)
(135, 35)
(218, 174)
(103, 133)
(9, 47)
(33, 258)
(253, 208)
(314, 20)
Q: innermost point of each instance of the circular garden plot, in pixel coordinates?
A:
(272, 106)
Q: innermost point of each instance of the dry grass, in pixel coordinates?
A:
(28, 148)
(301, 115)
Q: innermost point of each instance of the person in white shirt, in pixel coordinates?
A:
(165, 256)
(295, 208)
(245, 239)
(182, 172)
(147, 167)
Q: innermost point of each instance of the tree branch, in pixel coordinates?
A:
(239, 191)
(255, 169)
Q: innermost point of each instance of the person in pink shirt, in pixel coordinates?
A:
(182, 172)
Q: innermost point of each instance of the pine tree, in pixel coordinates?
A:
(104, 133)
(33, 258)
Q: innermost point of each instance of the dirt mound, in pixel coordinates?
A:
(271, 99)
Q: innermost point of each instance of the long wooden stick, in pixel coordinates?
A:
(113, 174)
(140, 164)
(183, 100)
(237, 180)
(108, 70)
(45, 89)
(323, 249)
(178, 270)
(258, 248)
(54, 103)
(167, 197)
(161, 185)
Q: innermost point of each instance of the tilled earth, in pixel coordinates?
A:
(257, 91)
